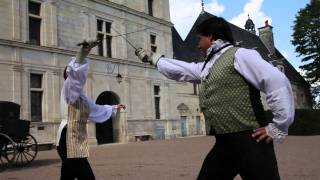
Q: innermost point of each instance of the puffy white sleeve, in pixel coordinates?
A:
(100, 113)
(180, 70)
(73, 85)
(274, 84)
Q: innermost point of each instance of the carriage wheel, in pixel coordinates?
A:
(27, 151)
(8, 151)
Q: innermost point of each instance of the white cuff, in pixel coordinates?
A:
(275, 133)
(155, 58)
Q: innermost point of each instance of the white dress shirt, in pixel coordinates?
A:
(73, 89)
(262, 75)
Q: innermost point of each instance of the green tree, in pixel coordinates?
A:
(306, 38)
(315, 91)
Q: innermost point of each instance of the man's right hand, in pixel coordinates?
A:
(143, 55)
(147, 56)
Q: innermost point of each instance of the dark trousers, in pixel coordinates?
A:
(73, 168)
(239, 153)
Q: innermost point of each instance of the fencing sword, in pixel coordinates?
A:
(125, 39)
(139, 30)
(99, 40)
(145, 58)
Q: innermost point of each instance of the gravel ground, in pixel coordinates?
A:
(178, 159)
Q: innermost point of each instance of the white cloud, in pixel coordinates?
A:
(185, 12)
(253, 8)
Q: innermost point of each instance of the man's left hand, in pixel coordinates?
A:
(260, 134)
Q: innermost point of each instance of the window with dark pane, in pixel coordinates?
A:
(100, 46)
(36, 81)
(36, 93)
(99, 25)
(153, 39)
(109, 42)
(157, 107)
(108, 27)
(156, 90)
(36, 106)
(104, 33)
(153, 43)
(34, 30)
(34, 8)
(150, 7)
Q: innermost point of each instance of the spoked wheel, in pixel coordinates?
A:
(27, 150)
(8, 151)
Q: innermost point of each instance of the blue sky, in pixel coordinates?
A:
(281, 14)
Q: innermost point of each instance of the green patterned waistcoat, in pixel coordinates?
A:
(226, 99)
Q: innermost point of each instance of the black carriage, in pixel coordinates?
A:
(17, 146)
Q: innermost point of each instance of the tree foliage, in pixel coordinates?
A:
(315, 91)
(306, 39)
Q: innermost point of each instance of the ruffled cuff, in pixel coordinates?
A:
(275, 133)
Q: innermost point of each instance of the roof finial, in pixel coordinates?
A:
(202, 4)
(248, 16)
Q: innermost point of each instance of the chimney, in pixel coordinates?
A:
(266, 36)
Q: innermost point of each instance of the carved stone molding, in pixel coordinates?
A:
(56, 72)
(17, 68)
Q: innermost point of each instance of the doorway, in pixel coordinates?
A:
(105, 131)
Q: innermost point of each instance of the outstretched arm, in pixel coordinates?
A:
(171, 68)
(77, 71)
(101, 113)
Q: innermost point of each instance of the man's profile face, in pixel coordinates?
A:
(205, 42)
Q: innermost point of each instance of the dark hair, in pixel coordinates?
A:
(217, 27)
(65, 73)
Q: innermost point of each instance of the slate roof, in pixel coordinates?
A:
(177, 45)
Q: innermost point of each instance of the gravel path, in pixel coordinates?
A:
(178, 159)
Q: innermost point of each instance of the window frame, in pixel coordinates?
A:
(150, 4)
(157, 107)
(153, 44)
(106, 46)
(36, 17)
(39, 90)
